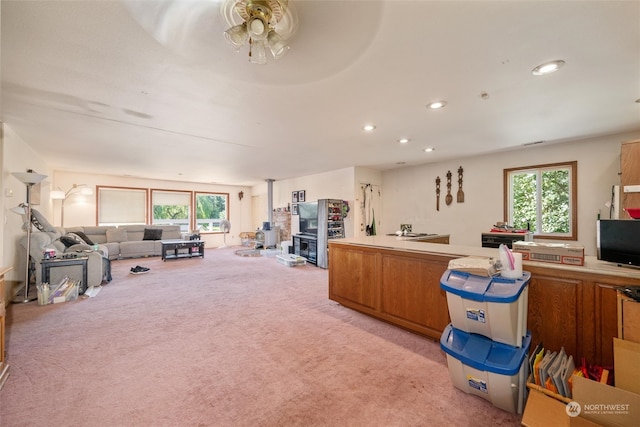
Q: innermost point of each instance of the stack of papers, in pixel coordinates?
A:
(553, 370)
(480, 266)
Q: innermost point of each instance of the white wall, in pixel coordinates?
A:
(337, 184)
(409, 193)
(17, 156)
(81, 210)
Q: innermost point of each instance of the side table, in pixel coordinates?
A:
(48, 264)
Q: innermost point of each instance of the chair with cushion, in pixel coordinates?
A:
(47, 237)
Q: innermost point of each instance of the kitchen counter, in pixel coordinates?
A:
(591, 263)
(398, 281)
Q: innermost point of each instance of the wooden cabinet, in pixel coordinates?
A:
(574, 310)
(400, 288)
(629, 175)
(4, 367)
(570, 307)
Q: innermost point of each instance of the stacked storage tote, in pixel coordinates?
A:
(487, 341)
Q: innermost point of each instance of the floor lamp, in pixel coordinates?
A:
(29, 178)
(81, 189)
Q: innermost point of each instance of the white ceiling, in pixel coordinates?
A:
(151, 88)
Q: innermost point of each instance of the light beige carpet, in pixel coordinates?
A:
(224, 341)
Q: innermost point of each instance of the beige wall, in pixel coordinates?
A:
(17, 156)
(337, 184)
(81, 210)
(409, 193)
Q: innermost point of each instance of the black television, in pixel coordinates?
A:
(618, 240)
(308, 216)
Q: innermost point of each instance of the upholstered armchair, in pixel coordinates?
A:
(48, 238)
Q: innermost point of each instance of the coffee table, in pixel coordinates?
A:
(176, 248)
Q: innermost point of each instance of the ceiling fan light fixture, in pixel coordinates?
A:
(259, 21)
(237, 35)
(258, 27)
(277, 45)
(257, 52)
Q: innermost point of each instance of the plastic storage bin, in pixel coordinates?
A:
(290, 260)
(495, 307)
(496, 372)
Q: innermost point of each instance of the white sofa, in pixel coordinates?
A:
(127, 241)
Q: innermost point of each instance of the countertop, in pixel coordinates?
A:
(591, 263)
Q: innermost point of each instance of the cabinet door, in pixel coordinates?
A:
(353, 278)
(411, 295)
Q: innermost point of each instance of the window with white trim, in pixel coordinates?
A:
(543, 198)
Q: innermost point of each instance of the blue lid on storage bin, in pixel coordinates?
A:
(484, 289)
(482, 353)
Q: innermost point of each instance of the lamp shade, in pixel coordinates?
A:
(258, 53)
(277, 45)
(29, 177)
(237, 35)
(57, 195)
(21, 209)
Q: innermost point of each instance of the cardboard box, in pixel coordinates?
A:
(628, 319)
(557, 253)
(596, 404)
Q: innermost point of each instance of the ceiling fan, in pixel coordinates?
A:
(260, 23)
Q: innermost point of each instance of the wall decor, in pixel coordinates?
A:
(449, 198)
(301, 195)
(294, 197)
(294, 209)
(460, 195)
(437, 193)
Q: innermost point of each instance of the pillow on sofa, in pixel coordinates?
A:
(68, 241)
(84, 237)
(117, 235)
(152, 234)
(40, 222)
(76, 237)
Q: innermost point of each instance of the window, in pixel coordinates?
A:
(118, 206)
(544, 199)
(211, 208)
(171, 208)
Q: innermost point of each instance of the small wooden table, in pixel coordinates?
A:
(172, 249)
(48, 264)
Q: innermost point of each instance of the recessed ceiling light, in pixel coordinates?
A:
(547, 68)
(429, 150)
(403, 140)
(437, 104)
(368, 128)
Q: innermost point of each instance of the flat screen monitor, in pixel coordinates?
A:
(618, 240)
(308, 216)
